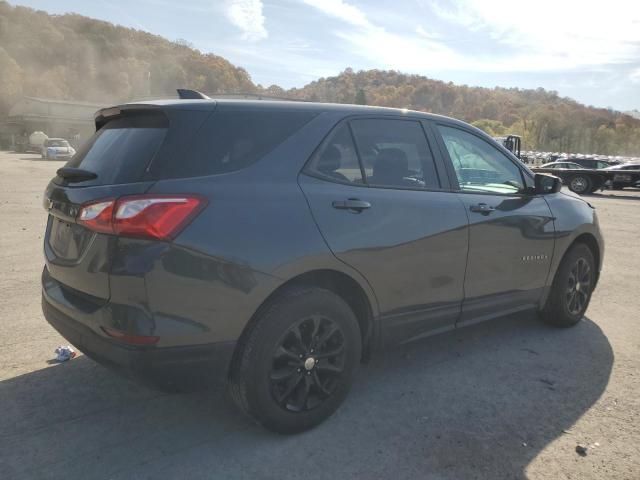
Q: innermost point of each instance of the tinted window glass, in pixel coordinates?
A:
(395, 153)
(230, 141)
(480, 166)
(337, 159)
(121, 150)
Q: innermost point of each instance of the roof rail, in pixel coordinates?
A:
(256, 96)
(186, 94)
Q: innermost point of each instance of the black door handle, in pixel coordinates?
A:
(482, 208)
(353, 204)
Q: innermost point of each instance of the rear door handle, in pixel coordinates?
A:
(353, 204)
(482, 208)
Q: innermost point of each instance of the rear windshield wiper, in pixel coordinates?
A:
(71, 174)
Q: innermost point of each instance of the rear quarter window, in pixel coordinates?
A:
(233, 140)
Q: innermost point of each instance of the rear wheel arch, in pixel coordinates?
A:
(336, 282)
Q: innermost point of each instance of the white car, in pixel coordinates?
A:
(57, 149)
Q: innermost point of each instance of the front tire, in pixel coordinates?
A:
(295, 365)
(571, 289)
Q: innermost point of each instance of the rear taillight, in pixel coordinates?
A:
(145, 216)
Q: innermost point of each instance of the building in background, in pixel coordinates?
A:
(56, 118)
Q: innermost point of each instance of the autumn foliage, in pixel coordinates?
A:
(73, 57)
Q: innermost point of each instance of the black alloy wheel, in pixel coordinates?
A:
(307, 364)
(578, 287)
(572, 286)
(296, 363)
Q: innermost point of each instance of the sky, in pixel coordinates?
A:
(588, 50)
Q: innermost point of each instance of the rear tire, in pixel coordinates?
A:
(571, 289)
(580, 184)
(295, 366)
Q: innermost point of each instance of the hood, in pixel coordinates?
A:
(565, 191)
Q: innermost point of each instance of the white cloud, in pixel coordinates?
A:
(247, 16)
(546, 35)
(420, 31)
(409, 51)
(635, 76)
(555, 34)
(342, 10)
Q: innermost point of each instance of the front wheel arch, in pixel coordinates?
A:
(590, 241)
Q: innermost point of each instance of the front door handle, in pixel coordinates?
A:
(353, 204)
(482, 208)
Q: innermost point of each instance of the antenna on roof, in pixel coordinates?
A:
(186, 94)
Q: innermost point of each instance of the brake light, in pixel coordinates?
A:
(144, 216)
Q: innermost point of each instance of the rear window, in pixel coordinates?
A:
(232, 140)
(121, 150)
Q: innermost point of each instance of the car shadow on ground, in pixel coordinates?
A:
(38, 158)
(481, 402)
(606, 195)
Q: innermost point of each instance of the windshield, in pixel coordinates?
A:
(57, 143)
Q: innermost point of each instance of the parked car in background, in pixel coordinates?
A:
(563, 165)
(57, 149)
(625, 175)
(275, 245)
(591, 162)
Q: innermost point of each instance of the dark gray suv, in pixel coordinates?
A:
(276, 245)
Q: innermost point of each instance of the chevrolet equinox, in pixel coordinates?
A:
(275, 245)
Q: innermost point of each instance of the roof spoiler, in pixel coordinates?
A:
(186, 94)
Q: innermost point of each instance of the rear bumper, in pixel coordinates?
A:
(184, 366)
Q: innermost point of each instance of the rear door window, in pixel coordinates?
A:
(395, 153)
(121, 150)
(232, 140)
(337, 159)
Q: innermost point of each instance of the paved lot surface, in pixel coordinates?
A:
(506, 399)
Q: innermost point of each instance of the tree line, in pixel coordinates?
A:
(72, 57)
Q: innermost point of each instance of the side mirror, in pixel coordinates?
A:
(546, 183)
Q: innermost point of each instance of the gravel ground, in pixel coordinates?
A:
(510, 398)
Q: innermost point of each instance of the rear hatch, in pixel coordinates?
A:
(113, 163)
